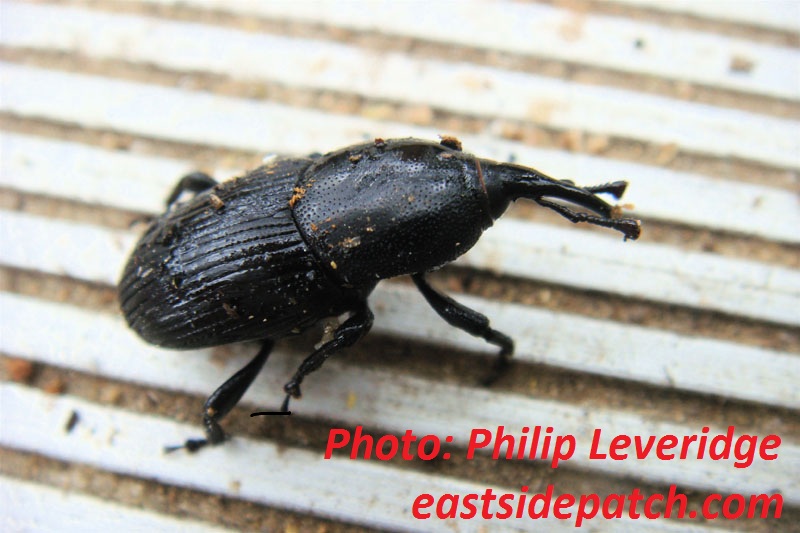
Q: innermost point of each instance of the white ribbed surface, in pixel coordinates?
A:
(373, 494)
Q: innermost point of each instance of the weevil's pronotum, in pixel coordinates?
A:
(297, 240)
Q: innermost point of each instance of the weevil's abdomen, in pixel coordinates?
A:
(228, 266)
(387, 208)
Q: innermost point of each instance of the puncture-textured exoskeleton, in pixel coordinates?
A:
(297, 240)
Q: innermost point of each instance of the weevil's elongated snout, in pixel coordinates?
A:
(506, 182)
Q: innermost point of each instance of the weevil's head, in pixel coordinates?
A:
(506, 182)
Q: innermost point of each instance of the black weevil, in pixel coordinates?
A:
(269, 254)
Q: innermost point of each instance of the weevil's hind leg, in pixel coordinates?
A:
(466, 319)
(225, 398)
(347, 334)
(195, 182)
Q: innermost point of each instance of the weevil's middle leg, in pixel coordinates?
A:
(347, 334)
(195, 182)
(225, 398)
(469, 320)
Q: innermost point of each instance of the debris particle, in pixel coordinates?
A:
(350, 242)
(54, 386)
(19, 370)
(72, 421)
(741, 64)
(354, 158)
(450, 141)
(230, 310)
(299, 192)
(216, 202)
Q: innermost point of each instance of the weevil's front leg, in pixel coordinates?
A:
(466, 319)
(195, 182)
(225, 398)
(347, 334)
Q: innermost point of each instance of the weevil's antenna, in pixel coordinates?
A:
(615, 189)
(629, 227)
(506, 182)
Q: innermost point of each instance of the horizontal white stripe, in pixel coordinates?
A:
(553, 33)
(140, 182)
(118, 104)
(33, 507)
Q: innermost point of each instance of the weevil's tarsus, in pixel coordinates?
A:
(225, 398)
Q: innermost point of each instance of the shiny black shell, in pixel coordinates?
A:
(230, 268)
(271, 253)
(389, 208)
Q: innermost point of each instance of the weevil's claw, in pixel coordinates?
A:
(292, 390)
(285, 404)
(499, 368)
(191, 446)
(631, 228)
